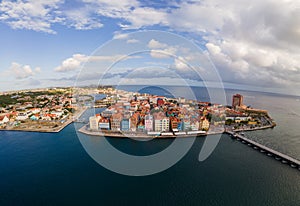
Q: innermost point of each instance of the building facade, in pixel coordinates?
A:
(237, 101)
(149, 123)
(93, 123)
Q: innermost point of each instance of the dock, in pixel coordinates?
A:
(294, 163)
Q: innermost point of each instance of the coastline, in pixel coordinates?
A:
(140, 135)
(117, 134)
(57, 129)
(83, 130)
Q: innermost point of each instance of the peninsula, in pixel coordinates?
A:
(126, 114)
(131, 114)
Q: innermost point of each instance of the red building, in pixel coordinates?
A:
(237, 101)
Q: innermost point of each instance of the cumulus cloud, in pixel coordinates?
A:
(72, 63)
(252, 42)
(154, 44)
(22, 71)
(160, 49)
(32, 15)
(77, 60)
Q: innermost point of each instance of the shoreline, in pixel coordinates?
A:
(133, 135)
(79, 113)
(120, 134)
(70, 120)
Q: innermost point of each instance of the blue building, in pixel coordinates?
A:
(125, 124)
(180, 126)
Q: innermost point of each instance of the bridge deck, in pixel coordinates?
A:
(279, 154)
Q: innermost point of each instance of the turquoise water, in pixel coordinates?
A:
(54, 169)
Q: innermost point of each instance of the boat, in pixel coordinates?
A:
(284, 161)
(278, 158)
(255, 147)
(242, 133)
(249, 144)
(262, 151)
(269, 154)
(243, 142)
(293, 165)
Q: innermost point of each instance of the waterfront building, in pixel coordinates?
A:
(115, 122)
(186, 123)
(93, 123)
(237, 101)
(149, 123)
(174, 123)
(104, 124)
(141, 126)
(134, 121)
(180, 125)
(204, 125)
(125, 124)
(195, 125)
(161, 122)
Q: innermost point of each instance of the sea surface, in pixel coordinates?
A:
(55, 169)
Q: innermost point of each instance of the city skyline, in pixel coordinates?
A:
(46, 43)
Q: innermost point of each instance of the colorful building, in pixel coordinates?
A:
(149, 123)
(125, 124)
(115, 122)
(161, 122)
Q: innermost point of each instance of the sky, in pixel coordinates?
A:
(237, 44)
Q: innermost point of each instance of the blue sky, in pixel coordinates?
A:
(243, 45)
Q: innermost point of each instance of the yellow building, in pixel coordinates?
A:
(204, 124)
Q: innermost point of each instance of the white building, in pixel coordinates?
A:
(161, 125)
(22, 116)
(3, 119)
(94, 123)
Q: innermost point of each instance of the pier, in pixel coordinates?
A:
(294, 163)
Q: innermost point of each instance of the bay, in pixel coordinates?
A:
(54, 168)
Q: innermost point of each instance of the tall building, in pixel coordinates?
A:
(237, 101)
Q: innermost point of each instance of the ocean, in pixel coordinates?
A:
(55, 168)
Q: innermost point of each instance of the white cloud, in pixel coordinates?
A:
(22, 71)
(132, 41)
(160, 49)
(154, 44)
(77, 60)
(257, 40)
(143, 16)
(82, 19)
(31, 14)
(119, 35)
(181, 64)
(72, 63)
